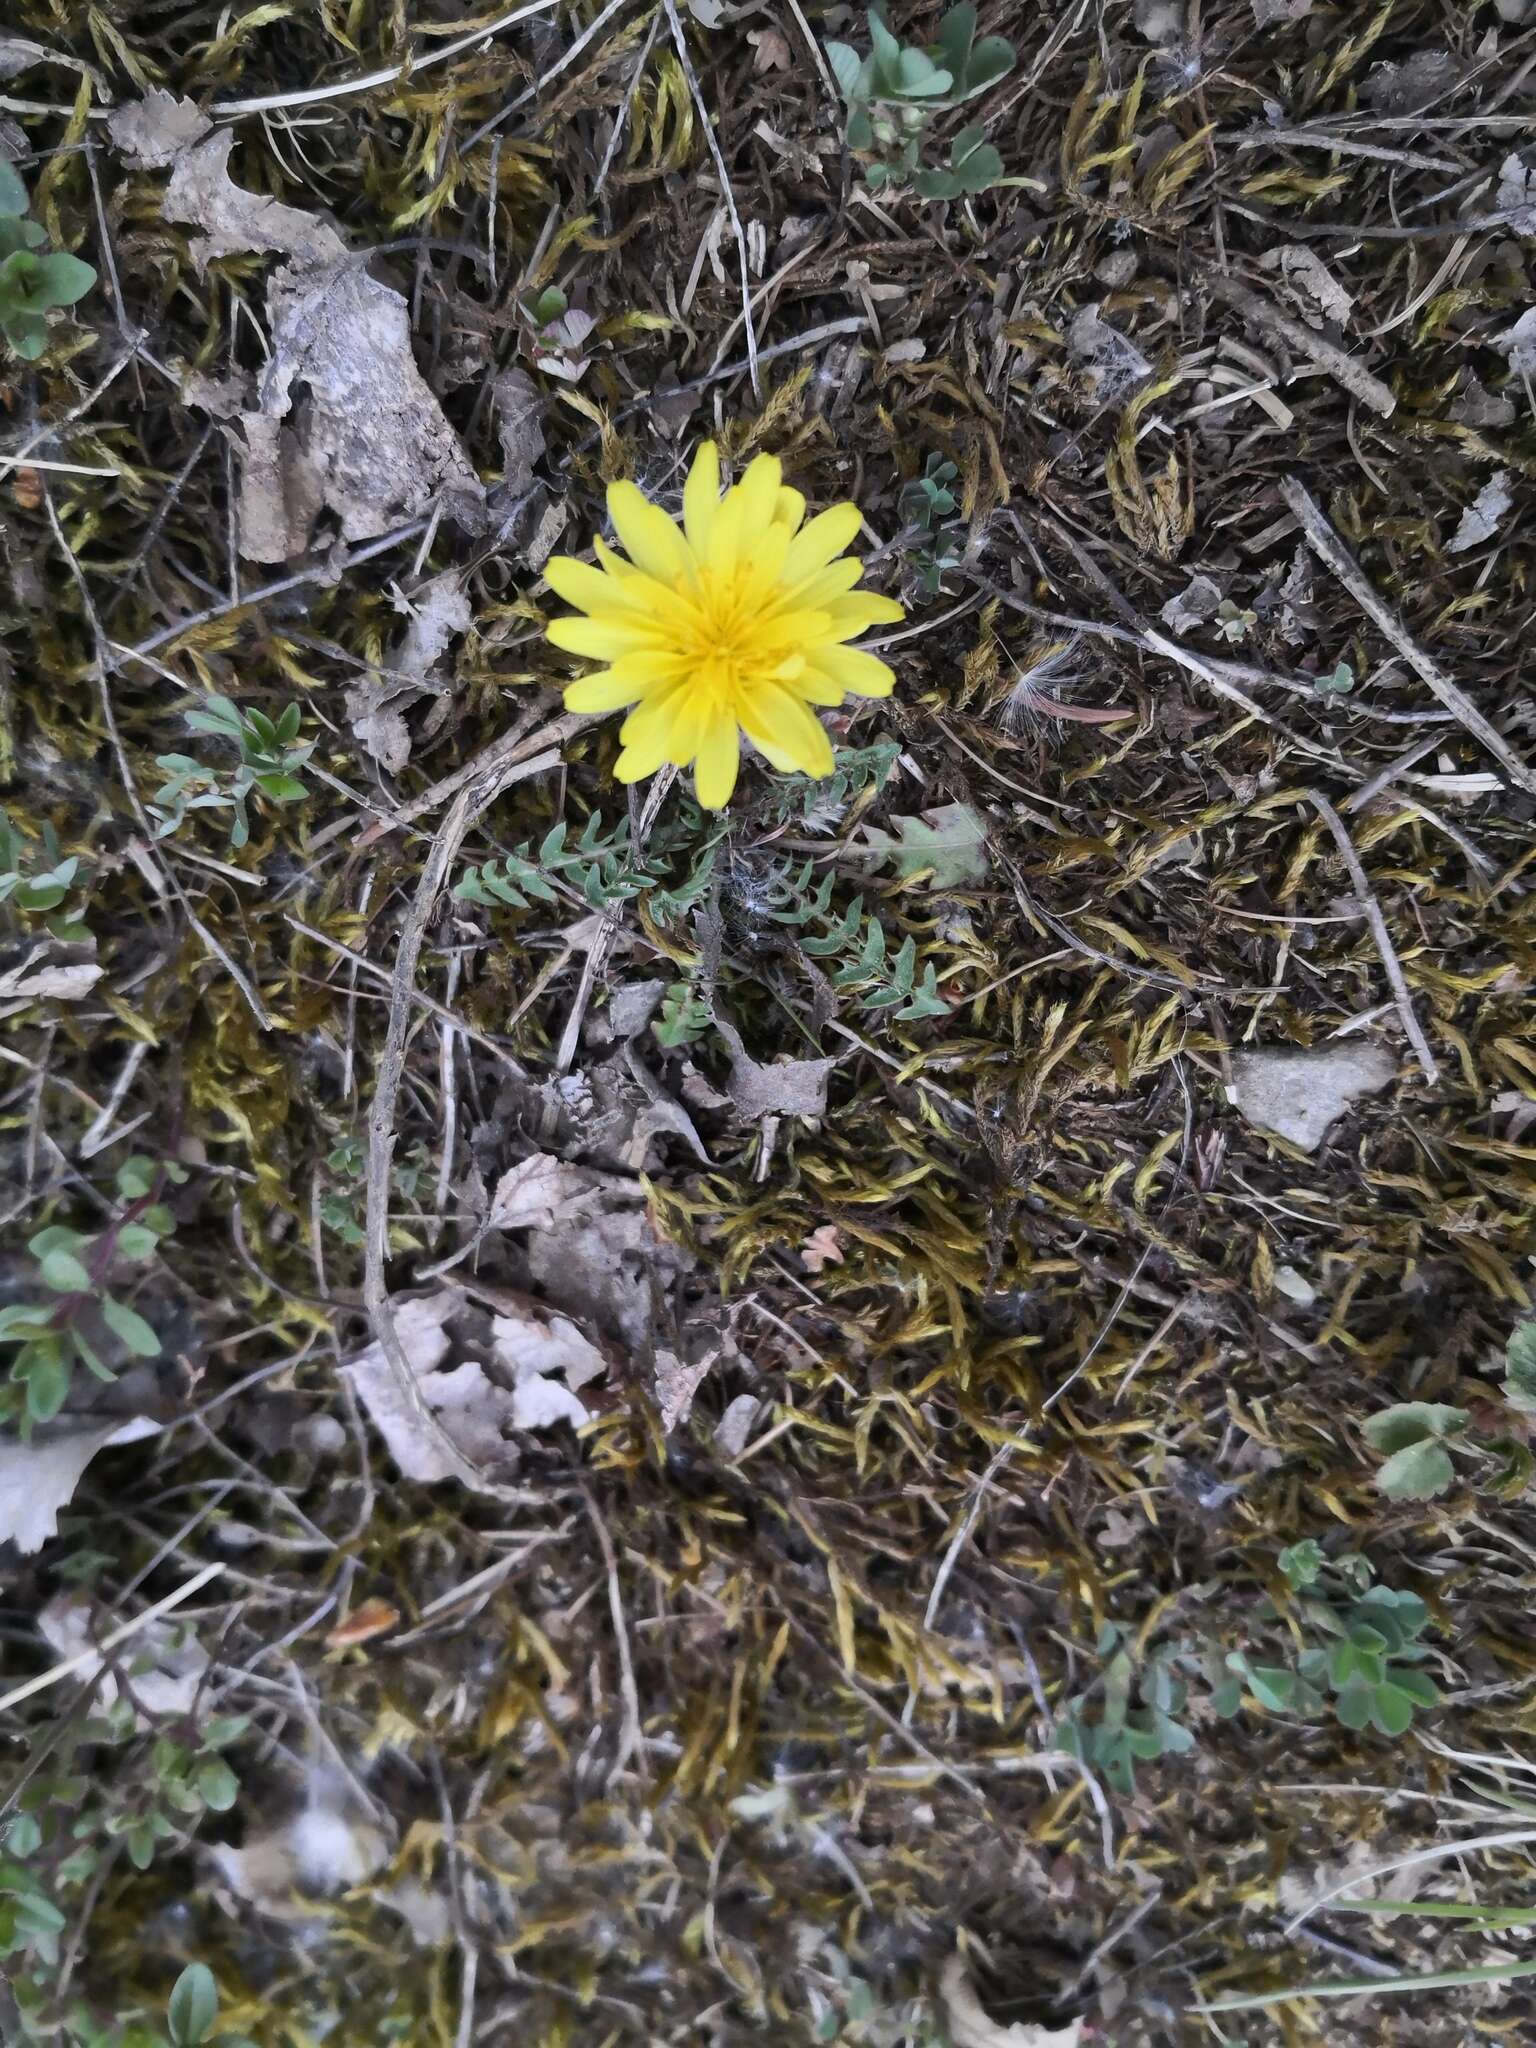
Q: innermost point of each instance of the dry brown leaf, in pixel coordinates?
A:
(519, 426)
(438, 613)
(541, 1193)
(370, 442)
(770, 50)
(202, 194)
(167, 1666)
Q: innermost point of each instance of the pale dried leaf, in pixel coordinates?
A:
(519, 425)
(970, 2026)
(1193, 606)
(1316, 291)
(1517, 194)
(542, 1193)
(61, 980)
(548, 1360)
(631, 1008)
(153, 132)
(823, 1248)
(468, 1408)
(17, 55)
(1299, 1094)
(675, 1385)
(1517, 344)
(770, 50)
(39, 1477)
(734, 1429)
(164, 1666)
(1268, 12)
(1476, 406)
(1484, 517)
(202, 194)
(785, 1088)
(370, 442)
(438, 612)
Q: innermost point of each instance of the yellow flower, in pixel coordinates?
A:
(737, 624)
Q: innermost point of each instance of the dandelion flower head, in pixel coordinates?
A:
(736, 623)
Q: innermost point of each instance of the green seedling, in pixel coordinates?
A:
(32, 284)
(271, 757)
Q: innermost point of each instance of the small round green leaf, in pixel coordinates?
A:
(194, 2006)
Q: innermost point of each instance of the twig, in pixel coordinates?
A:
(540, 85)
(319, 572)
(1343, 368)
(471, 801)
(96, 1651)
(1379, 932)
(513, 745)
(712, 142)
(632, 1739)
(622, 116)
(1329, 548)
(266, 103)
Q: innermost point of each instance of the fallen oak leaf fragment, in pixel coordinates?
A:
(782, 1088)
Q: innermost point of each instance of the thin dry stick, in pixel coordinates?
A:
(1345, 370)
(727, 194)
(266, 103)
(1325, 543)
(44, 1679)
(1379, 933)
(632, 1739)
(381, 1114)
(513, 745)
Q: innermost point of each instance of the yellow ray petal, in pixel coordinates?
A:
(776, 720)
(605, 690)
(588, 588)
(647, 535)
(701, 496)
(719, 758)
(615, 565)
(757, 496)
(823, 586)
(789, 512)
(851, 669)
(825, 538)
(853, 615)
(601, 639)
